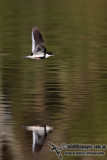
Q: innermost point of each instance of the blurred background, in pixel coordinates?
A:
(68, 91)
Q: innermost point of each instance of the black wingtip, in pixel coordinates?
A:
(37, 35)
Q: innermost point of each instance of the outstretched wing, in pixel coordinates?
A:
(37, 41)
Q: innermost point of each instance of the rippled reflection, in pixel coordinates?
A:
(39, 134)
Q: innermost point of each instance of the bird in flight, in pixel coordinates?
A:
(38, 49)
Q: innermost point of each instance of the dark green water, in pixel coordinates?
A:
(67, 91)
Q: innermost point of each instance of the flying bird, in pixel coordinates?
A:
(38, 49)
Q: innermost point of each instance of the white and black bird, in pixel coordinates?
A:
(39, 135)
(38, 49)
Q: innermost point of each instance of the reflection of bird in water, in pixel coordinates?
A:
(39, 136)
(38, 49)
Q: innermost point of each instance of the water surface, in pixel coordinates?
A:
(68, 91)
